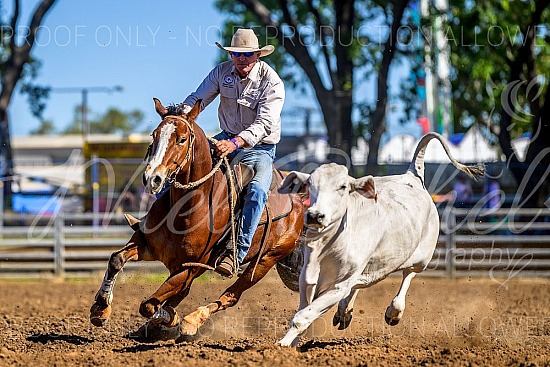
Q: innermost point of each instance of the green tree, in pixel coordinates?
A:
(46, 127)
(16, 65)
(500, 53)
(113, 121)
(327, 40)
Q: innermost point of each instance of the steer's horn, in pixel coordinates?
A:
(133, 222)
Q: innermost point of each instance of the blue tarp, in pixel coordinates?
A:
(36, 203)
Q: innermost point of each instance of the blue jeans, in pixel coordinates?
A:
(260, 158)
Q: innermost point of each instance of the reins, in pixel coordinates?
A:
(194, 184)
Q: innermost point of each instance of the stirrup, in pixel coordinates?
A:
(225, 267)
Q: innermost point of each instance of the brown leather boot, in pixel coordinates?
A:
(225, 266)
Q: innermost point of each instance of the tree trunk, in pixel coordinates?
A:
(6, 159)
(537, 160)
(335, 102)
(342, 84)
(13, 69)
(378, 119)
(532, 174)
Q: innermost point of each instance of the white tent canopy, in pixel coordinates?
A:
(473, 148)
(399, 148)
(520, 146)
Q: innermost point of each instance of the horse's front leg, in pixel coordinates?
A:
(170, 294)
(165, 322)
(192, 322)
(167, 315)
(134, 250)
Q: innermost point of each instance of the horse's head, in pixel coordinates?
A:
(171, 149)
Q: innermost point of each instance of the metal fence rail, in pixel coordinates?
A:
(496, 243)
(64, 244)
(475, 242)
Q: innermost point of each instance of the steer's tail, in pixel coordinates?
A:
(417, 163)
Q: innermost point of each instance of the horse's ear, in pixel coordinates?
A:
(161, 110)
(192, 115)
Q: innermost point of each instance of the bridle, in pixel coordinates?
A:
(189, 155)
(171, 177)
(191, 185)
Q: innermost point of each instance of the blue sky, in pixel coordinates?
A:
(152, 49)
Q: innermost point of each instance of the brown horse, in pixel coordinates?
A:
(187, 226)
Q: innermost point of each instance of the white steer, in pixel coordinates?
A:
(360, 231)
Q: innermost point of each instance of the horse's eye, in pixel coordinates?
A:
(182, 141)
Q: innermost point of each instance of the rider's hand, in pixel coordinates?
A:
(224, 147)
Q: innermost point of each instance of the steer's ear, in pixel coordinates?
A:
(365, 186)
(294, 183)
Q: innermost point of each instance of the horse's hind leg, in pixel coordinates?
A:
(192, 322)
(101, 309)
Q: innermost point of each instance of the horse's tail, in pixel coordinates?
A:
(417, 163)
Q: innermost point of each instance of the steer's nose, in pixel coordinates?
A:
(314, 218)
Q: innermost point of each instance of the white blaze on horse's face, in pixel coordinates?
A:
(155, 173)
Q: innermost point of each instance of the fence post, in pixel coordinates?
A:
(95, 195)
(450, 244)
(59, 245)
(1, 209)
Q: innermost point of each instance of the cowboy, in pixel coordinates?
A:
(251, 99)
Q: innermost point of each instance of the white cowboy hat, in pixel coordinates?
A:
(244, 40)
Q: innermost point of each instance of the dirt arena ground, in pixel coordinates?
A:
(464, 322)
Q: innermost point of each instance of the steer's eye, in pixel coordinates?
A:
(342, 188)
(182, 141)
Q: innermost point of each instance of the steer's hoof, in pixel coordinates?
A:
(342, 321)
(336, 319)
(390, 321)
(99, 314)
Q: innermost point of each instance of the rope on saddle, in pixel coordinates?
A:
(200, 265)
(264, 240)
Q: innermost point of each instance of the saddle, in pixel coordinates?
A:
(277, 206)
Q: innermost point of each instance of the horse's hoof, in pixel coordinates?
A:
(188, 332)
(99, 314)
(186, 338)
(148, 308)
(151, 332)
(188, 329)
(390, 321)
